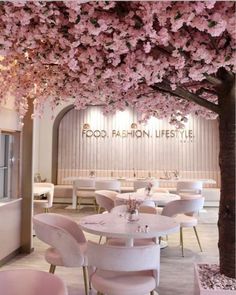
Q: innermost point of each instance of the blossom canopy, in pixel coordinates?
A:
(163, 58)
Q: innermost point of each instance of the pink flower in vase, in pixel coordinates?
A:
(132, 210)
(132, 205)
(148, 188)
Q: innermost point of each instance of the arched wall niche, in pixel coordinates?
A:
(116, 145)
(56, 124)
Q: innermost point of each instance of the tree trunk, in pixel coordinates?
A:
(226, 222)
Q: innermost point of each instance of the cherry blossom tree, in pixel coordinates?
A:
(166, 59)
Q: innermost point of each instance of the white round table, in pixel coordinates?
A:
(116, 226)
(160, 199)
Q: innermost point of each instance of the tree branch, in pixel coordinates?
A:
(213, 80)
(214, 44)
(203, 89)
(185, 94)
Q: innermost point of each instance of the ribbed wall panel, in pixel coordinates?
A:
(196, 157)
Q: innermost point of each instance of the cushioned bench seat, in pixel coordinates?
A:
(63, 193)
(212, 197)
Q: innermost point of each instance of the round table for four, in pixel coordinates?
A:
(115, 225)
(160, 199)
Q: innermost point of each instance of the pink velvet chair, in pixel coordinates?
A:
(67, 241)
(105, 199)
(30, 282)
(186, 189)
(83, 189)
(147, 209)
(184, 212)
(112, 185)
(124, 270)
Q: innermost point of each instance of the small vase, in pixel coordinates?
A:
(132, 216)
(148, 192)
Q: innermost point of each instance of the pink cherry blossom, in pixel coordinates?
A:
(118, 54)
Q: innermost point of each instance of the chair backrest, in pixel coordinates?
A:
(84, 183)
(189, 187)
(118, 258)
(107, 193)
(50, 194)
(62, 233)
(147, 209)
(113, 185)
(105, 199)
(119, 201)
(30, 282)
(138, 184)
(148, 203)
(120, 209)
(183, 206)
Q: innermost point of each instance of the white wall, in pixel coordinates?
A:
(9, 119)
(198, 155)
(10, 212)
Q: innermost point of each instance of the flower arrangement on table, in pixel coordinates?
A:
(132, 205)
(148, 188)
(132, 209)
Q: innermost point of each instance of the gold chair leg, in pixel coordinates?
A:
(100, 239)
(52, 268)
(85, 275)
(195, 230)
(99, 209)
(95, 206)
(78, 200)
(181, 241)
(46, 210)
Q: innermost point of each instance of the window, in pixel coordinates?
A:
(9, 165)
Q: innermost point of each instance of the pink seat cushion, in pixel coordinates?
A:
(30, 282)
(52, 256)
(186, 221)
(125, 283)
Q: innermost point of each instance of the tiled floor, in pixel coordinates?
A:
(176, 275)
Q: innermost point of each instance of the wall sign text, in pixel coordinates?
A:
(139, 133)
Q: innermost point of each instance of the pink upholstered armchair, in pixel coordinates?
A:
(124, 270)
(105, 199)
(184, 213)
(30, 282)
(67, 241)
